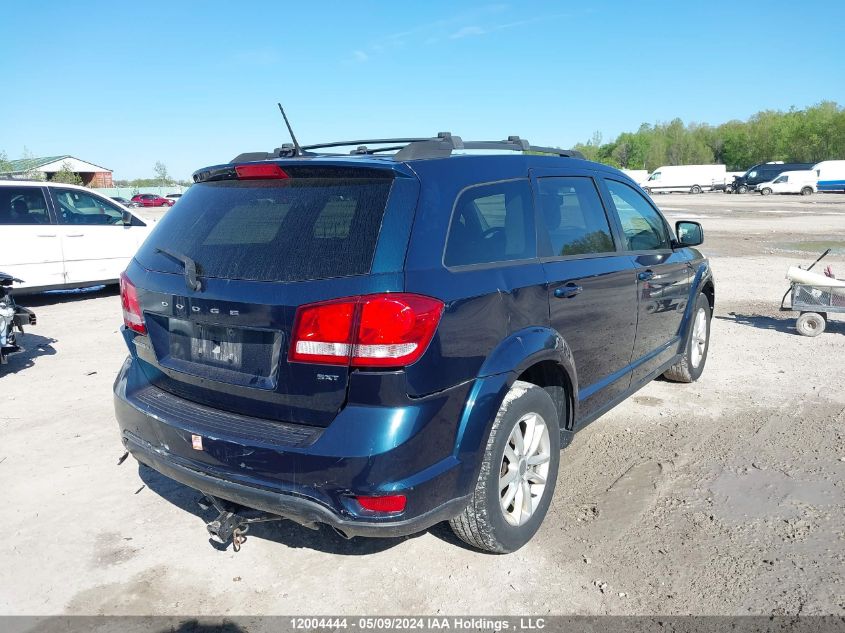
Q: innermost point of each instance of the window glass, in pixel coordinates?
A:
(295, 229)
(78, 207)
(752, 174)
(655, 176)
(782, 179)
(574, 217)
(23, 205)
(492, 223)
(642, 225)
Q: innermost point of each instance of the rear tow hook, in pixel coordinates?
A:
(230, 526)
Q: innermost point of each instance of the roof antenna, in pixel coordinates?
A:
(296, 146)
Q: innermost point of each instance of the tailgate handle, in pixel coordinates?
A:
(568, 291)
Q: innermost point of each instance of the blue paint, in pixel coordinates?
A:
(419, 430)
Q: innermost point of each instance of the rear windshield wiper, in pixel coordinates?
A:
(189, 264)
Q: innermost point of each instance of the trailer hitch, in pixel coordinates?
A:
(229, 525)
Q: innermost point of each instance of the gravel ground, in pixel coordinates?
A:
(721, 497)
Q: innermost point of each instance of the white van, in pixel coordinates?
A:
(803, 182)
(691, 178)
(637, 175)
(831, 175)
(64, 236)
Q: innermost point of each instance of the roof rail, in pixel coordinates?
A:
(439, 146)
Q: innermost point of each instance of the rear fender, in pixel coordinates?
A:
(503, 366)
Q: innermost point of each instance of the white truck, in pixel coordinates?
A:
(689, 178)
(803, 182)
(831, 175)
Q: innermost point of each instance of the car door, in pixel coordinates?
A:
(663, 278)
(31, 249)
(97, 245)
(592, 286)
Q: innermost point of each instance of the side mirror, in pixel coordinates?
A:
(689, 233)
(127, 218)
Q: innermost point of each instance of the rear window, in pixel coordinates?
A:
(272, 230)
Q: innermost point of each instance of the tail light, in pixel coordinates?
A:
(132, 316)
(385, 330)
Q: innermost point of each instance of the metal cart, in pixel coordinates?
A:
(814, 302)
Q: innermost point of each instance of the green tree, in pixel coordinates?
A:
(66, 175)
(162, 176)
(5, 165)
(810, 135)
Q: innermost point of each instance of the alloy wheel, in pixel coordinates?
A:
(524, 469)
(699, 338)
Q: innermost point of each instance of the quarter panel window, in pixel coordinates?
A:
(23, 205)
(642, 225)
(492, 223)
(574, 217)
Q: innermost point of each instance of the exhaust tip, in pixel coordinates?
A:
(341, 532)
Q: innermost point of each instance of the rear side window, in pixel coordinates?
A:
(642, 225)
(78, 207)
(289, 230)
(23, 205)
(574, 217)
(492, 223)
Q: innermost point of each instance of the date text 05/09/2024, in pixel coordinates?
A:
(419, 623)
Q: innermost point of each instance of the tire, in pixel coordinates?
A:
(729, 190)
(484, 523)
(807, 191)
(765, 191)
(810, 324)
(695, 189)
(691, 365)
(742, 189)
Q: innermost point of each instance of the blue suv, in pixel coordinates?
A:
(400, 336)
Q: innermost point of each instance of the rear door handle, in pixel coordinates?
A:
(568, 291)
(47, 235)
(76, 235)
(645, 275)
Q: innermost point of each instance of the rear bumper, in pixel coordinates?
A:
(302, 510)
(366, 450)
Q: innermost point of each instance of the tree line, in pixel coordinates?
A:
(810, 135)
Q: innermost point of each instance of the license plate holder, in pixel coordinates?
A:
(217, 345)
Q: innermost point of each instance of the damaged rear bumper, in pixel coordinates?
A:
(299, 509)
(306, 474)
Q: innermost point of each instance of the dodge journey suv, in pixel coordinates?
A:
(401, 336)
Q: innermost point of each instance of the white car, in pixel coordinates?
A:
(64, 236)
(803, 182)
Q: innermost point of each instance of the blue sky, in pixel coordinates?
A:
(191, 84)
